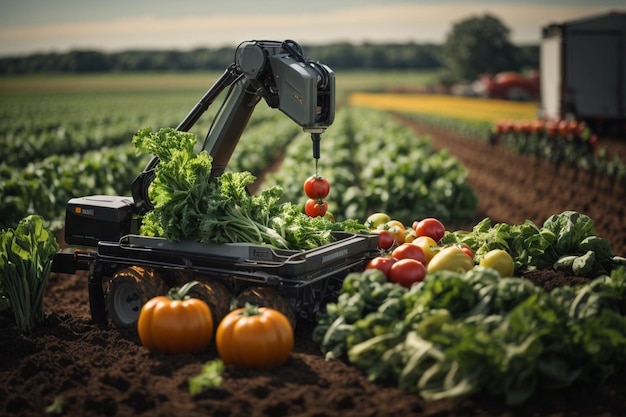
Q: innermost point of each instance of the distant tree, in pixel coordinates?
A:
(476, 46)
(85, 61)
(528, 56)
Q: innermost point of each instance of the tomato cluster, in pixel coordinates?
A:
(407, 252)
(317, 189)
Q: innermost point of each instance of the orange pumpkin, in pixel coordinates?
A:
(176, 323)
(254, 337)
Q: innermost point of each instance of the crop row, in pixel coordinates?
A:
(66, 123)
(511, 124)
(373, 164)
(562, 142)
(450, 107)
(44, 187)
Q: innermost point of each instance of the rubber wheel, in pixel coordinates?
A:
(129, 290)
(267, 297)
(215, 294)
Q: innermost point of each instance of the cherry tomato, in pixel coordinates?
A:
(385, 239)
(382, 263)
(316, 187)
(315, 208)
(430, 227)
(407, 272)
(409, 251)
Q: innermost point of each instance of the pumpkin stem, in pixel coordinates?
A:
(250, 310)
(180, 293)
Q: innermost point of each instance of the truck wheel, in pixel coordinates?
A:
(267, 297)
(212, 292)
(129, 289)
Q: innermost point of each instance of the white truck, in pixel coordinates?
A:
(583, 72)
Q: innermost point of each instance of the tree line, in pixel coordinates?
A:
(478, 44)
(339, 55)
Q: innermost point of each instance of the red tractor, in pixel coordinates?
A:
(512, 86)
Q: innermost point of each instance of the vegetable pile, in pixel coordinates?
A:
(471, 324)
(459, 333)
(25, 263)
(190, 205)
(565, 242)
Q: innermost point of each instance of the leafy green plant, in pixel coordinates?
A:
(209, 377)
(376, 164)
(190, 204)
(456, 334)
(566, 241)
(25, 262)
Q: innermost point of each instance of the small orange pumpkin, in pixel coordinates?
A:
(254, 337)
(175, 323)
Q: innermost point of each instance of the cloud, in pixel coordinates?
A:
(392, 22)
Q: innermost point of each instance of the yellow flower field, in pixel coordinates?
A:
(469, 108)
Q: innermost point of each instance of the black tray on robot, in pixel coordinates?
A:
(348, 248)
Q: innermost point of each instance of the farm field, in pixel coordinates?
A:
(104, 371)
(468, 108)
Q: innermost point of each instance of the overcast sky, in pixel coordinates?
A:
(28, 26)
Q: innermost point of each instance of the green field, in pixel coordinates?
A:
(64, 136)
(152, 99)
(199, 81)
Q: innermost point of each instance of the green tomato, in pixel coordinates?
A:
(376, 219)
(500, 260)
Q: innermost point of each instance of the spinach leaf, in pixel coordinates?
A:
(25, 262)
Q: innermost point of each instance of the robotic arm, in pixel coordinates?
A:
(276, 72)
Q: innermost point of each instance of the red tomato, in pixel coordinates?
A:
(385, 239)
(467, 250)
(430, 227)
(407, 272)
(315, 208)
(316, 187)
(382, 263)
(409, 251)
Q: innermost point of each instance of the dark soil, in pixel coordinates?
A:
(104, 371)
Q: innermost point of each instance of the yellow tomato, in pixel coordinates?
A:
(409, 235)
(450, 258)
(392, 223)
(428, 246)
(500, 260)
(397, 229)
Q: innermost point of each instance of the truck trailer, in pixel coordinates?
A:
(583, 71)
